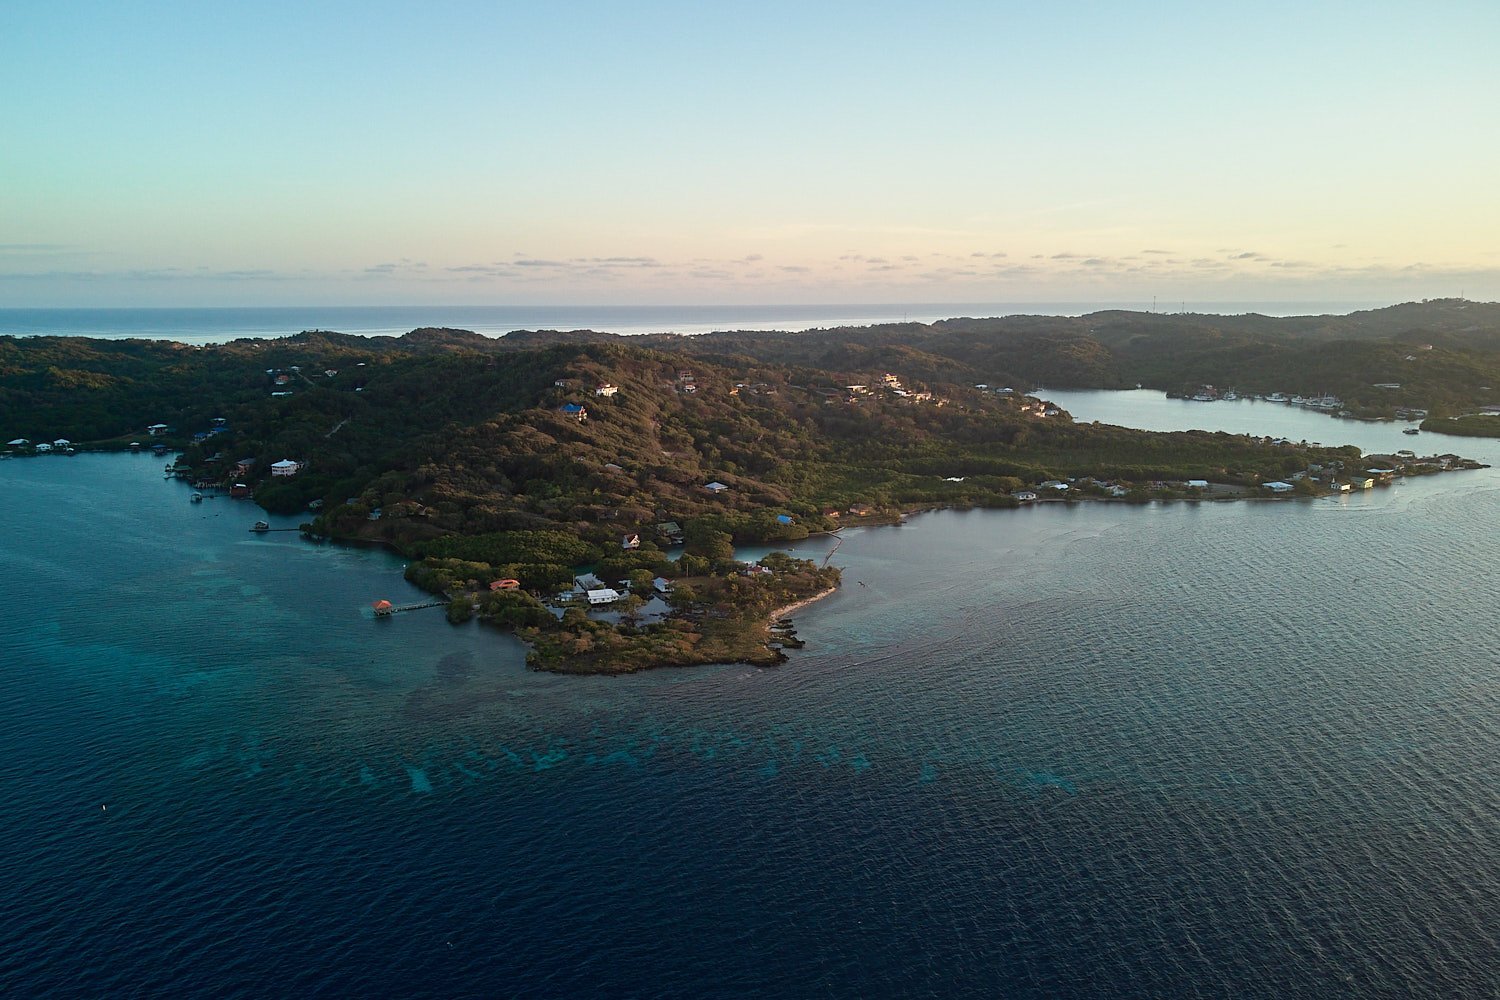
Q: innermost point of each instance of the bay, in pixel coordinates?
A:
(1174, 750)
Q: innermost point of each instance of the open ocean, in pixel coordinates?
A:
(1185, 750)
(207, 326)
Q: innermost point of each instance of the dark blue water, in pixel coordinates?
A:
(1179, 750)
(205, 325)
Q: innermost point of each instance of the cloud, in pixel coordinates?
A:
(1248, 255)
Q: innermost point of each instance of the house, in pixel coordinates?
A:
(44, 446)
(219, 422)
(239, 491)
(1279, 487)
(285, 467)
(1119, 491)
(1056, 484)
(330, 372)
(672, 530)
(561, 383)
(662, 585)
(17, 443)
(1367, 484)
(243, 468)
(685, 377)
(832, 512)
(1025, 496)
(784, 519)
(505, 585)
(630, 542)
(605, 389)
(612, 467)
(604, 595)
(62, 443)
(157, 430)
(715, 488)
(861, 509)
(587, 582)
(1196, 484)
(574, 410)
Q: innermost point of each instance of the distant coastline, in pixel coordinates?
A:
(208, 325)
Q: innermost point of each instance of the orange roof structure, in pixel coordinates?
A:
(380, 606)
(506, 585)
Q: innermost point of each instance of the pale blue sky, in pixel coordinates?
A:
(203, 153)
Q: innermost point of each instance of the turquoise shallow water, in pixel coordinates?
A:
(1178, 750)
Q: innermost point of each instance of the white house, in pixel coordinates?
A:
(605, 389)
(285, 467)
(630, 542)
(1279, 487)
(715, 487)
(1025, 496)
(62, 443)
(44, 447)
(1197, 484)
(157, 430)
(17, 443)
(607, 595)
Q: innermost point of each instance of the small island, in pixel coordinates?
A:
(588, 491)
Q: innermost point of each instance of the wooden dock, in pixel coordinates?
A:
(387, 612)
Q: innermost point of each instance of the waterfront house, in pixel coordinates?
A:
(243, 468)
(285, 467)
(1279, 487)
(1197, 484)
(17, 443)
(157, 430)
(44, 446)
(662, 585)
(1025, 496)
(861, 509)
(604, 595)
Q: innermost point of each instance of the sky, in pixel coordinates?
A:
(163, 154)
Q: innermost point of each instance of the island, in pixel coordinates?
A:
(589, 491)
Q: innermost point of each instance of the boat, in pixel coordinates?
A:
(1411, 430)
(196, 498)
(261, 526)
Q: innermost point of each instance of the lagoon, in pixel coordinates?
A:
(1093, 749)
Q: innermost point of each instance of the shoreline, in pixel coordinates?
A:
(781, 612)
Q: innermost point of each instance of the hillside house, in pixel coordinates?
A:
(574, 410)
(605, 389)
(715, 488)
(157, 430)
(630, 542)
(285, 467)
